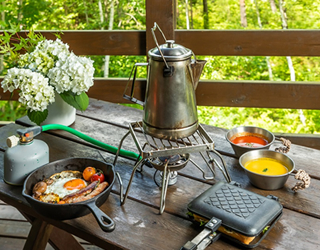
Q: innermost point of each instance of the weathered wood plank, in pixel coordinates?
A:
(163, 15)
(100, 42)
(112, 135)
(308, 140)
(267, 94)
(138, 219)
(263, 94)
(10, 213)
(14, 229)
(14, 244)
(213, 42)
(251, 42)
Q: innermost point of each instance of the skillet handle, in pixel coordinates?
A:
(104, 221)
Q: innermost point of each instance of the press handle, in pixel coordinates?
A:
(131, 97)
(207, 236)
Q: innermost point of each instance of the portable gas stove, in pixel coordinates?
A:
(168, 156)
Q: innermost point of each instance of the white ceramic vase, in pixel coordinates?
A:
(60, 112)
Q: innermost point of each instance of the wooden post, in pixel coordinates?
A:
(161, 12)
(39, 235)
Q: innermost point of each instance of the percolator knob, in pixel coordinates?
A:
(12, 141)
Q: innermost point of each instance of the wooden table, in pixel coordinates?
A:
(138, 222)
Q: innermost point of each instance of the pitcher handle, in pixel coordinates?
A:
(130, 97)
(155, 40)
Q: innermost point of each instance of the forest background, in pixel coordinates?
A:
(61, 15)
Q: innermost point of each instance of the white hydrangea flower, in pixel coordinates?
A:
(54, 48)
(35, 94)
(50, 67)
(74, 74)
(11, 80)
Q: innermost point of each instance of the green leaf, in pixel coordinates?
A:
(37, 116)
(80, 102)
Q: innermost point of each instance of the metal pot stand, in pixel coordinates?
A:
(162, 154)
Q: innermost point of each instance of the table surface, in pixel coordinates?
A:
(138, 222)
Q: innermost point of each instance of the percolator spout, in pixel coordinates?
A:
(195, 69)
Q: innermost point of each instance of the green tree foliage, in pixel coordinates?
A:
(226, 15)
(223, 14)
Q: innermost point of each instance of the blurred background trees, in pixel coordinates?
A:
(192, 14)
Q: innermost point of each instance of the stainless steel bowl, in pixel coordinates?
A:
(239, 150)
(267, 182)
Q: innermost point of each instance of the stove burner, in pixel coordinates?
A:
(168, 156)
(173, 162)
(172, 159)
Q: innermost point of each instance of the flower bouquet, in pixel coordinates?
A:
(41, 69)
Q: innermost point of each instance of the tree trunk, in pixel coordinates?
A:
(273, 6)
(187, 14)
(191, 15)
(283, 16)
(289, 60)
(205, 15)
(110, 27)
(285, 26)
(86, 11)
(101, 14)
(243, 15)
(260, 26)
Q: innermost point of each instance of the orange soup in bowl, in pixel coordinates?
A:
(266, 166)
(250, 140)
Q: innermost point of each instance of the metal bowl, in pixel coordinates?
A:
(239, 150)
(267, 182)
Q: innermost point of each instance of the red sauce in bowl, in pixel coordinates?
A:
(249, 140)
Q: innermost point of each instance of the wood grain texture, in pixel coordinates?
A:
(261, 94)
(93, 42)
(139, 215)
(251, 42)
(163, 15)
(202, 42)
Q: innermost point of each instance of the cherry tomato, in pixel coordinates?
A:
(99, 176)
(88, 172)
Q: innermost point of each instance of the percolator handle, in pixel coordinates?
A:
(155, 40)
(130, 97)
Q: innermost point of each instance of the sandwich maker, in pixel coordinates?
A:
(238, 211)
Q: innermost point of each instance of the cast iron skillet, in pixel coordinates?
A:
(70, 211)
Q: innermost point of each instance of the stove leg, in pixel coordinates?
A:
(223, 168)
(120, 145)
(203, 172)
(124, 197)
(165, 182)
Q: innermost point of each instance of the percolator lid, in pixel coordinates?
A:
(170, 51)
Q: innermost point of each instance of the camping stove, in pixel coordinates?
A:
(168, 156)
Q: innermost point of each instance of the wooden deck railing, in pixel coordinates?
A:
(267, 94)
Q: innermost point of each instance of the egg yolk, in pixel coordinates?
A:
(74, 184)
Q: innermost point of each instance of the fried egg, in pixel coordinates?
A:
(62, 184)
